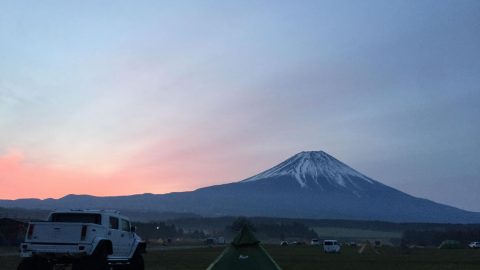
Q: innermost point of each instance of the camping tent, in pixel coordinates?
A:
(245, 252)
(367, 248)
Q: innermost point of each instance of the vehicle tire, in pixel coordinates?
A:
(26, 264)
(34, 263)
(82, 264)
(137, 263)
(43, 264)
(96, 261)
(77, 266)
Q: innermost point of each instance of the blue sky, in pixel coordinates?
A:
(179, 95)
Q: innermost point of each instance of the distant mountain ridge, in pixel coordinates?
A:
(310, 184)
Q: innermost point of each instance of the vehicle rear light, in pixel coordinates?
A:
(84, 232)
(31, 227)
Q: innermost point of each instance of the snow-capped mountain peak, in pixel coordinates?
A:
(310, 166)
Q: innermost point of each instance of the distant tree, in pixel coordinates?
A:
(286, 230)
(197, 234)
(463, 235)
(239, 223)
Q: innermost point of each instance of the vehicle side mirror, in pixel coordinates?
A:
(133, 228)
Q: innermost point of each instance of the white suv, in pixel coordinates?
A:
(474, 245)
(86, 239)
(331, 246)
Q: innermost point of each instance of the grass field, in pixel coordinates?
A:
(306, 258)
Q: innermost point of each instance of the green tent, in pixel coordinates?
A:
(245, 252)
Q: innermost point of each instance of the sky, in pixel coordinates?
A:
(127, 97)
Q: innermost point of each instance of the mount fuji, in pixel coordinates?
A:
(308, 185)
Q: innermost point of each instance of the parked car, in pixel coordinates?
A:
(352, 244)
(474, 245)
(315, 242)
(210, 241)
(85, 239)
(331, 246)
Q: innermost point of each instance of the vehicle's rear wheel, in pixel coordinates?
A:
(96, 261)
(34, 263)
(26, 264)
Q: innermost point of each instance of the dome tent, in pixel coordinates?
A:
(245, 252)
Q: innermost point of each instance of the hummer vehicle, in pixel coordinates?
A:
(84, 239)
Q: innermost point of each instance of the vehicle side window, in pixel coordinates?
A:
(113, 223)
(124, 225)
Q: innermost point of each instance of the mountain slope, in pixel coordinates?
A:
(307, 185)
(307, 166)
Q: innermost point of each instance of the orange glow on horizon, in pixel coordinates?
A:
(20, 179)
(149, 171)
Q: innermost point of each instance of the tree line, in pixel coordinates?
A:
(436, 237)
(280, 230)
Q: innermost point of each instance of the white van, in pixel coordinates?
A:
(331, 246)
(474, 245)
